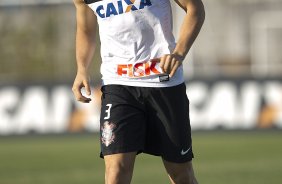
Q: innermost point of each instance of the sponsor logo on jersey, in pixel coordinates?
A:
(139, 69)
(121, 7)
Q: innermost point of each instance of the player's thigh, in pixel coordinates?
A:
(119, 167)
(120, 161)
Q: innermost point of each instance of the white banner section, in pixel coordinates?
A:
(220, 104)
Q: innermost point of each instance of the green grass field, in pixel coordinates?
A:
(233, 157)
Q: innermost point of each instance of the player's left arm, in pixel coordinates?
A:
(191, 26)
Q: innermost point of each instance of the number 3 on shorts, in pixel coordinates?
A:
(108, 111)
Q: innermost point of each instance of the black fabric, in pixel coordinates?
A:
(91, 1)
(143, 119)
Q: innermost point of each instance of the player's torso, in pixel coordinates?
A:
(133, 32)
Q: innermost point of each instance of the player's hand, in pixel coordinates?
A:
(169, 63)
(81, 81)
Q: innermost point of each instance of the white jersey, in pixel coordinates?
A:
(134, 34)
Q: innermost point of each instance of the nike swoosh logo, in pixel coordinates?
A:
(185, 152)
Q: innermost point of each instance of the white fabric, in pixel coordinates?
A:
(134, 32)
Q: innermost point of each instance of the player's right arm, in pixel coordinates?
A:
(85, 47)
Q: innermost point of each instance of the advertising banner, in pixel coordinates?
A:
(214, 104)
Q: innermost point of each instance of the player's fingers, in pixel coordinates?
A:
(83, 99)
(76, 92)
(162, 62)
(78, 95)
(173, 70)
(156, 60)
(167, 64)
(87, 87)
(172, 63)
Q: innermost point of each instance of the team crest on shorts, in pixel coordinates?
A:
(108, 136)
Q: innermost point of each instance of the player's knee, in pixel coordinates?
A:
(180, 178)
(184, 180)
(183, 177)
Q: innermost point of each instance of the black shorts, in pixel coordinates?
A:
(144, 119)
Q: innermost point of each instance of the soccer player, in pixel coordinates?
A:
(144, 103)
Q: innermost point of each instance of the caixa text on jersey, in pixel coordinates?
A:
(122, 6)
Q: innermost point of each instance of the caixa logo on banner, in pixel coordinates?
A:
(218, 104)
(41, 109)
